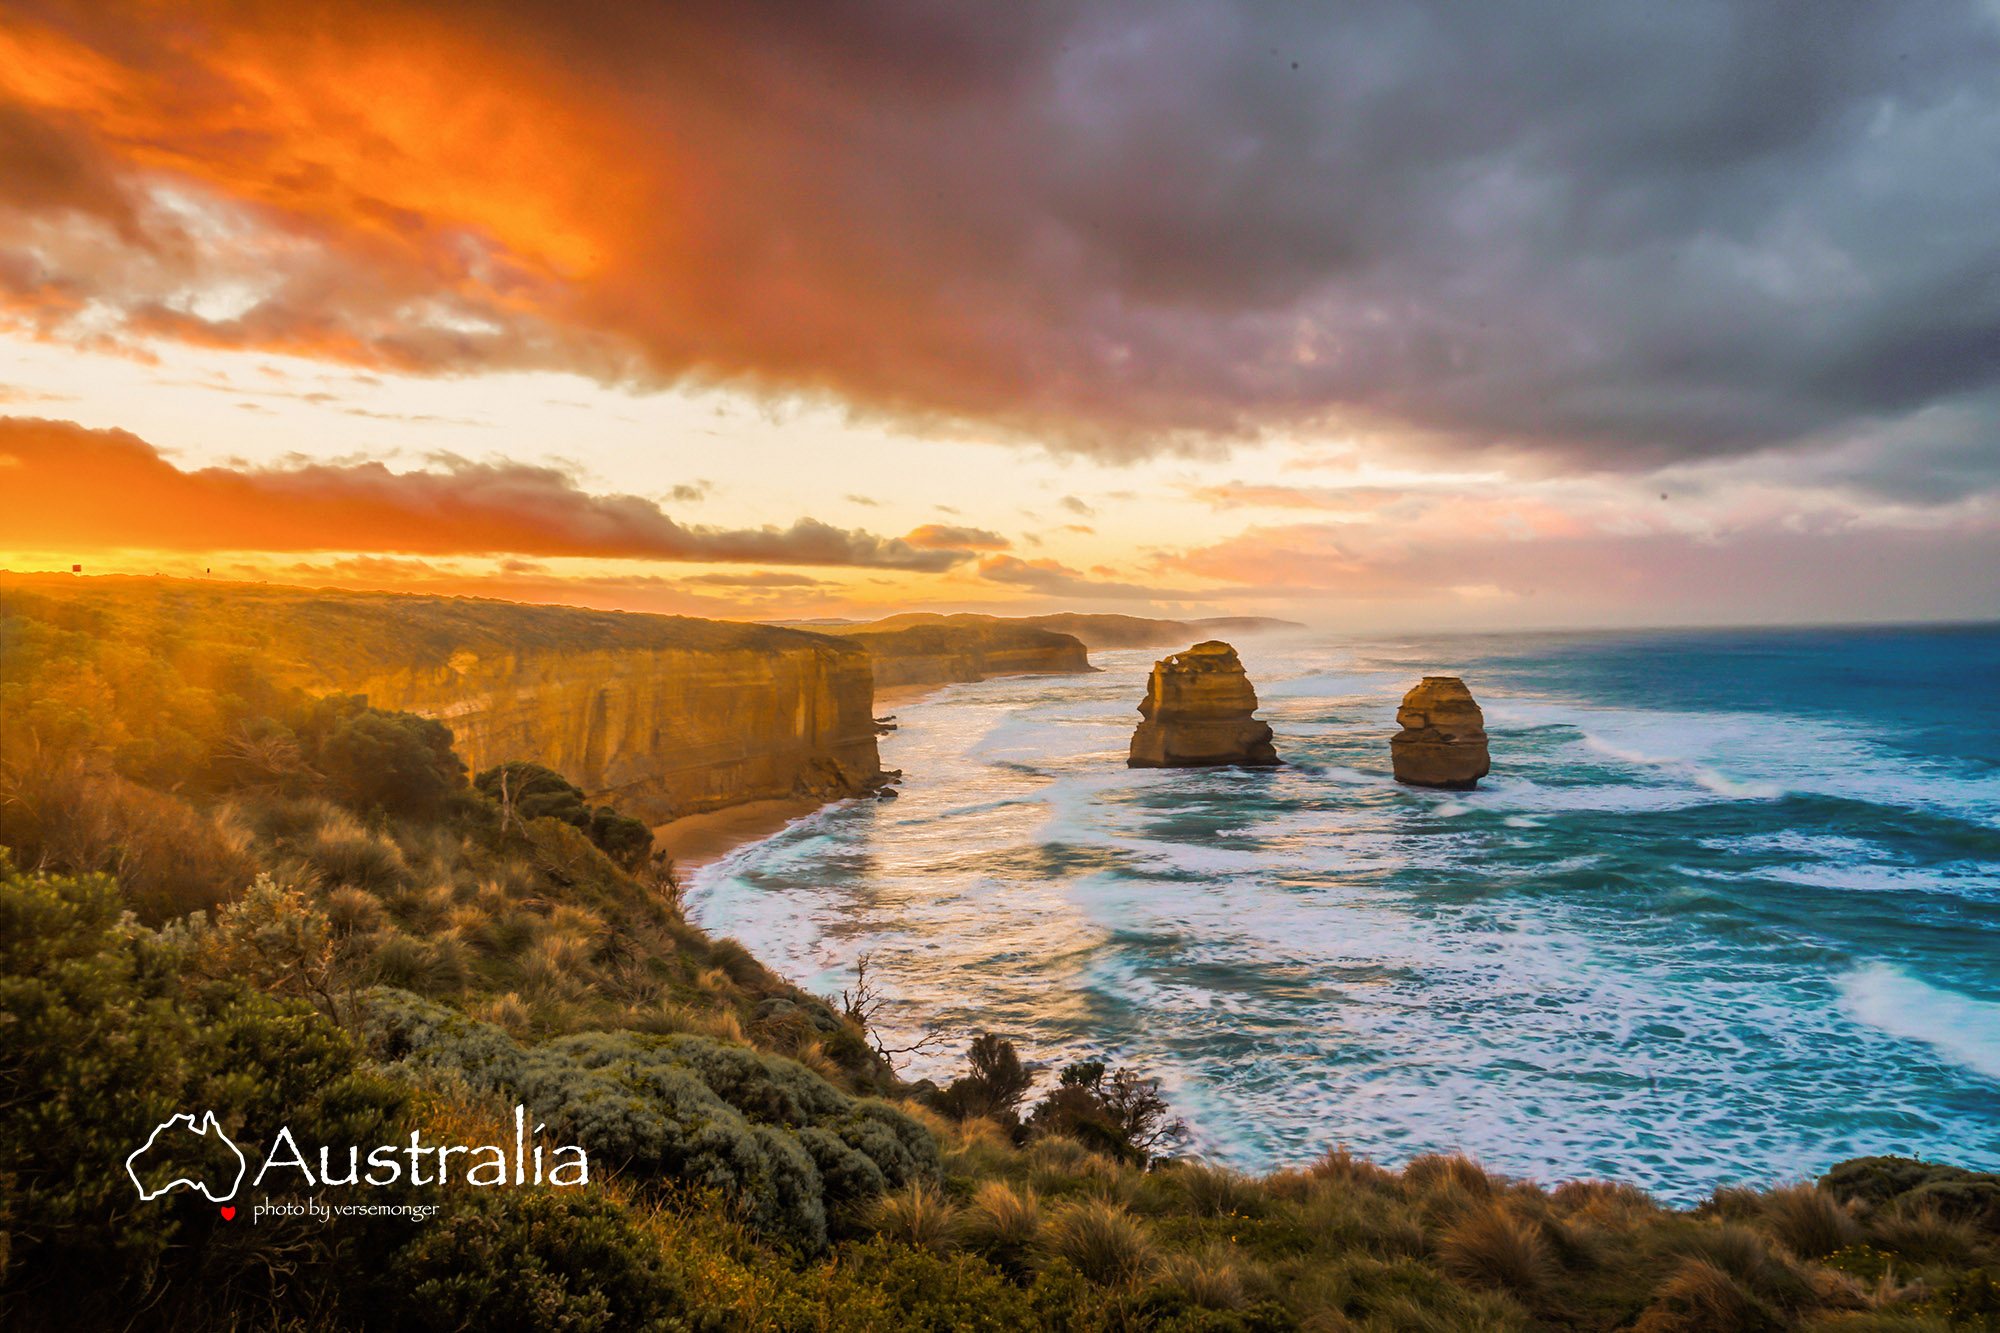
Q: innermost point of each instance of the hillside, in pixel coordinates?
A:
(1094, 631)
(941, 652)
(664, 715)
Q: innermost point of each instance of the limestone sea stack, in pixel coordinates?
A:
(1198, 714)
(1443, 740)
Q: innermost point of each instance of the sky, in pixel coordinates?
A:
(1410, 315)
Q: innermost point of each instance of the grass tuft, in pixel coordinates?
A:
(920, 1216)
(1490, 1246)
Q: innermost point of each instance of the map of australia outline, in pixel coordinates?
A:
(202, 1130)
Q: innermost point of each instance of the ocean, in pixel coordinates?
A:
(1726, 911)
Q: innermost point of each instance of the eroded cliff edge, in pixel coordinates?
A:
(661, 716)
(949, 649)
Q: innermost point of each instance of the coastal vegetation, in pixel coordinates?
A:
(224, 893)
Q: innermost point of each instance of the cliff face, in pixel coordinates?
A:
(658, 733)
(658, 715)
(1095, 631)
(1197, 714)
(940, 652)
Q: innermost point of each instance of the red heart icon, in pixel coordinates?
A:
(229, 1214)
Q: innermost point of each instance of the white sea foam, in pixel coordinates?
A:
(1963, 1030)
(1312, 956)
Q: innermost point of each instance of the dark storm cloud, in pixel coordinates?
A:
(1621, 234)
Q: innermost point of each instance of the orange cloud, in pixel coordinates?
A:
(68, 488)
(934, 536)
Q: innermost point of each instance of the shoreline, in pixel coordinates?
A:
(694, 841)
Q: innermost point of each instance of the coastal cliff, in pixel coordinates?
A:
(657, 732)
(964, 648)
(1094, 630)
(661, 716)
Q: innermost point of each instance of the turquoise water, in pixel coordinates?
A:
(1727, 910)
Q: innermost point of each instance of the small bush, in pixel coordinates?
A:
(995, 1085)
(1954, 1192)
(1101, 1241)
(396, 763)
(353, 911)
(523, 1261)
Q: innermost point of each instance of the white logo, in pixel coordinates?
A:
(185, 1124)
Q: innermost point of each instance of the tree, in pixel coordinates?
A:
(995, 1086)
(398, 763)
(1121, 1113)
(524, 791)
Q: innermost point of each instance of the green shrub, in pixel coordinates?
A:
(104, 1040)
(1114, 1112)
(396, 763)
(523, 792)
(1952, 1191)
(995, 1085)
(779, 1141)
(524, 1261)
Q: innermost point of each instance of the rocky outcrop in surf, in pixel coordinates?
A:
(1197, 714)
(1443, 740)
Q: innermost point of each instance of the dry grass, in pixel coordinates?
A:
(506, 1011)
(1217, 1191)
(1607, 1203)
(1700, 1298)
(1341, 1216)
(355, 911)
(1340, 1164)
(1808, 1221)
(346, 853)
(919, 1215)
(1491, 1247)
(1925, 1235)
(170, 858)
(1212, 1278)
(1101, 1240)
(1002, 1223)
(557, 962)
(1454, 1172)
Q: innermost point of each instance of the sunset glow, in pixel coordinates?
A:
(755, 317)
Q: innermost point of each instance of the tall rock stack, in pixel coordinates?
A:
(1198, 714)
(1443, 740)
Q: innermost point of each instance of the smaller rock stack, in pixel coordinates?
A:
(1198, 714)
(1443, 740)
